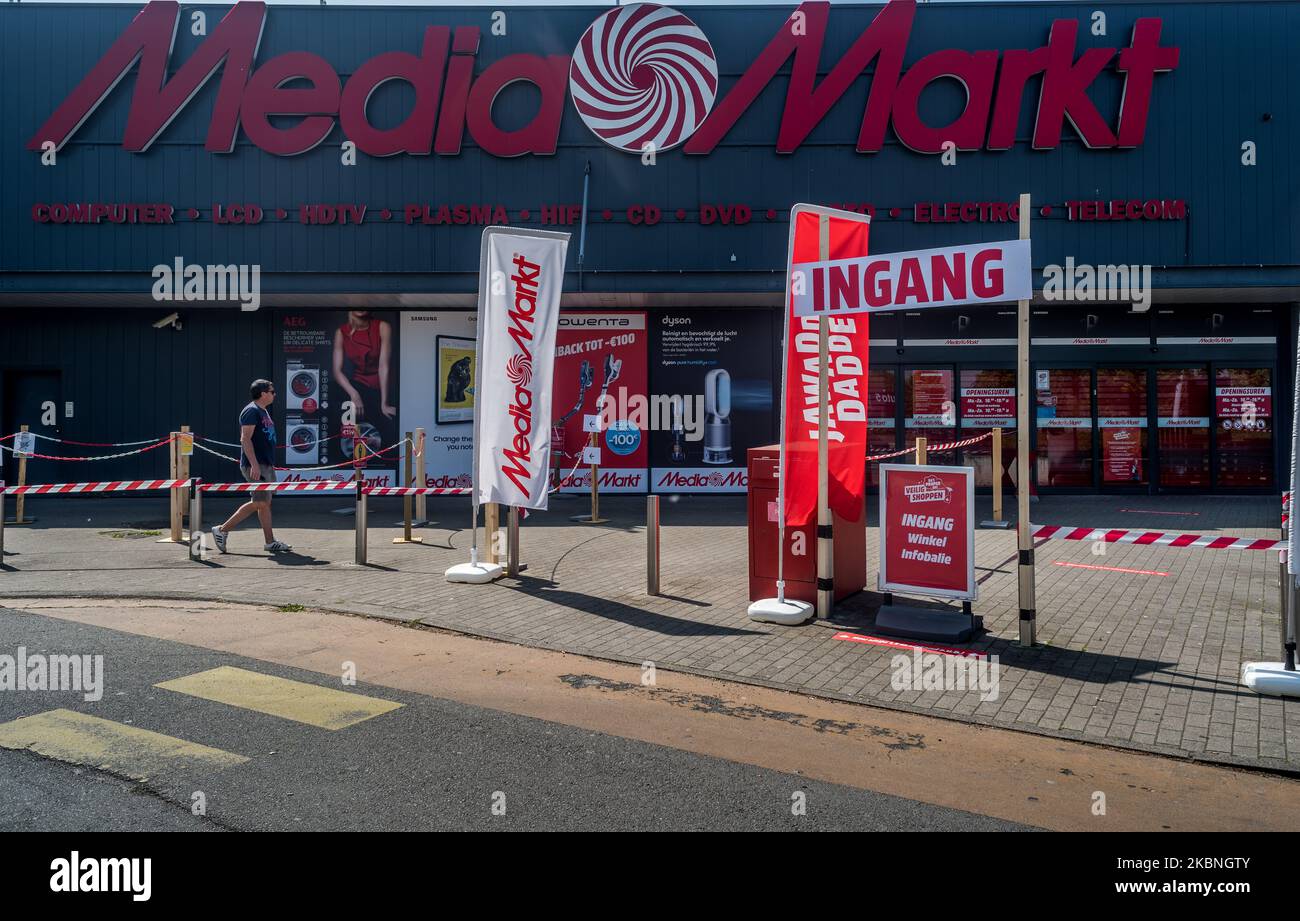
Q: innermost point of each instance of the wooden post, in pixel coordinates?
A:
(513, 566)
(421, 502)
(921, 451)
(825, 522)
(174, 516)
(408, 502)
(997, 474)
(491, 525)
(1024, 543)
(183, 473)
(19, 500)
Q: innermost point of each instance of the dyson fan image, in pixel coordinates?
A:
(717, 417)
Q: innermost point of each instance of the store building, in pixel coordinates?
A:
(347, 158)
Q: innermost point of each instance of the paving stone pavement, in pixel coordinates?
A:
(1127, 659)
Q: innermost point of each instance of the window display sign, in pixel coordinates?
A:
(326, 359)
(438, 365)
(1243, 402)
(988, 407)
(712, 386)
(931, 395)
(927, 544)
(1121, 452)
(600, 369)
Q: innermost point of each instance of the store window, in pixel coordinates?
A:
(881, 415)
(1122, 425)
(1063, 414)
(988, 400)
(1243, 417)
(1183, 426)
(929, 410)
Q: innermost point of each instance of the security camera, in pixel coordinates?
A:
(172, 319)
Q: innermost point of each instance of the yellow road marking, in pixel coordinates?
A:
(66, 735)
(291, 700)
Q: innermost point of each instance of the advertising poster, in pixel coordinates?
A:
(1121, 453)
(326, 358)
(931, 399)
(438, 383)
(712, 397)
(601, 368)
(927, 531)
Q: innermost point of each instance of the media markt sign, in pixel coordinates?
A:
(651, 64)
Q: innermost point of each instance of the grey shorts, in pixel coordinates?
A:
(268, 476)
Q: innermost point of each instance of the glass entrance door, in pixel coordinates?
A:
(1122, 426)
(1243, 425)
(1183, 426)
(1063, 416)
(988, 401)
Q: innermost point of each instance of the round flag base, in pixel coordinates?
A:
(474, 573)
(787, 613)
(1271, 678)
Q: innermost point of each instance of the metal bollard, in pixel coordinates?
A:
(2, 524)
(361, 525)
(196, 522)
(652, 545)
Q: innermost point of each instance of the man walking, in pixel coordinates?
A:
(257, 464)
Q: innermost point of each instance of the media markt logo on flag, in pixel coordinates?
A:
(932, 490)
(519, 371)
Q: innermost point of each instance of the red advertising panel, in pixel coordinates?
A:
(927, 544)
(601, 368)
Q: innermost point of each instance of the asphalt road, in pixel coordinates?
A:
(432, 764)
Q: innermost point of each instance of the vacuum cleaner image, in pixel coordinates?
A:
(717, 417)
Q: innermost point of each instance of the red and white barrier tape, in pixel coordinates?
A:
(932, 450)
(152, 447)
(106, 486)
(98, 444)
(1161, 538)
(300, 445)
(339, 466)
(419, 491)
(323, 486)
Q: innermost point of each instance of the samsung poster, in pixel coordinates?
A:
(712, 380)
(600, 369)
(325, 359)
(438, 367)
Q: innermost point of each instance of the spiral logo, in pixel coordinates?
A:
(520, 370)
(643, 74)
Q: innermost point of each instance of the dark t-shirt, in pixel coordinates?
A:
(263, 436)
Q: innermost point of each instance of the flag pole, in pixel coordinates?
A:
(825, 523)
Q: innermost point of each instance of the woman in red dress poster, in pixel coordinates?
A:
(362, 366)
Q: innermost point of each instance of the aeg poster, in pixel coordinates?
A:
(328, 358)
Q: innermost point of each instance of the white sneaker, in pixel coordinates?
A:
(278, 546)
(220, 537)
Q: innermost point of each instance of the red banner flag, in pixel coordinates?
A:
(847, 412)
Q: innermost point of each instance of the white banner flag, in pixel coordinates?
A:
(521, 274)
(981, 273)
